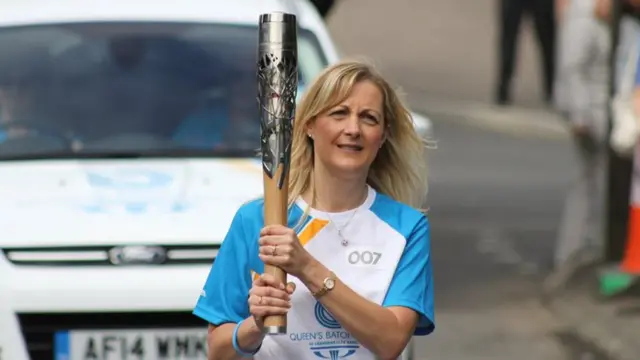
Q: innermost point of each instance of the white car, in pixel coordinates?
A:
(117, 188)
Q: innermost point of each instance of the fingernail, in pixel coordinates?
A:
(289, 303)
(281, 286)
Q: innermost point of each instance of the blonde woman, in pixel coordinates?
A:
(357, 250)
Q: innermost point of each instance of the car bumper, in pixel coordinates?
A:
(37, 290)
(37, 302)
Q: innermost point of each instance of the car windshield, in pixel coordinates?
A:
(134, 89)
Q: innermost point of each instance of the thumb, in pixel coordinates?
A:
(291, 287)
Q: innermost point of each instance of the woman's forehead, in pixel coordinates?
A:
(363, 94)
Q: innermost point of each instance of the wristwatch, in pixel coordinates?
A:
(327, 285)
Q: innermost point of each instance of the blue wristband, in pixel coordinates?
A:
(236, 347)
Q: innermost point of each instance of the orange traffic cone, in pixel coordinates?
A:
(631, 260)
(620, 279)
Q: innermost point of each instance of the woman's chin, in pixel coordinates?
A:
(350, 168)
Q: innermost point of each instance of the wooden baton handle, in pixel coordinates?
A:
(275, 213)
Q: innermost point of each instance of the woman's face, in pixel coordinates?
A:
(347, 137)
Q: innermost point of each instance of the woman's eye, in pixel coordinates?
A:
(338, 113)
(370, 119)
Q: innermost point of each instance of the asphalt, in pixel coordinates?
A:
(495, 201)
(497, 178)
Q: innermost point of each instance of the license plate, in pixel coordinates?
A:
(174, 344)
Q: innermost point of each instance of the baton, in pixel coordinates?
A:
(277, 87)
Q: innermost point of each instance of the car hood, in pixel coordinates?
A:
(91, 202)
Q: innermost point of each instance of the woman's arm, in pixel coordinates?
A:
(384, 331)
(220, 340)
(223, 299)
(232, 340)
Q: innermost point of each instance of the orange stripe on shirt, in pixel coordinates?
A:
(312, 229)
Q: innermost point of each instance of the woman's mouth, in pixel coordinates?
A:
(351, 147)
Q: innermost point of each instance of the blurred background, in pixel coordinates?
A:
(524, 268)
(528, 108)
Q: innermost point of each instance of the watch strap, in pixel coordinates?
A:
(325, 289)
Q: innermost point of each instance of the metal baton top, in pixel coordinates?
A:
(278, 17)
(277, 88)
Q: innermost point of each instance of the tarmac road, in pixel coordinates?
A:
(495, 202)
(495, 196)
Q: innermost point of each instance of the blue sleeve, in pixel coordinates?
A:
(412, 283)
(224, 296)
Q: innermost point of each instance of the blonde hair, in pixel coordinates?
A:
(399, 170)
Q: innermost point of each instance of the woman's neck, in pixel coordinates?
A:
(334, 194)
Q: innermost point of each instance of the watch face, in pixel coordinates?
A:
(329, 283)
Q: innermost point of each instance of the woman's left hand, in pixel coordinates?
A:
(279, 246)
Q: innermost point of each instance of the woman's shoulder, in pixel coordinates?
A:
(251, 213)
(400, 216)
(252, 207)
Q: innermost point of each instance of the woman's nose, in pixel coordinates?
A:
(352, 126)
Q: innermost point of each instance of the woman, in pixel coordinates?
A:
(357, 251)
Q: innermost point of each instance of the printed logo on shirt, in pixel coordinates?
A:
(333, 343)
(363, 257)
(325, 318)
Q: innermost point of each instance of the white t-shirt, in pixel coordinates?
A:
(386, 260)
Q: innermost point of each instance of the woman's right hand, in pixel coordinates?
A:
(268, 296)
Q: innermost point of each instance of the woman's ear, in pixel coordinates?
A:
(309, 129)
(384, 137)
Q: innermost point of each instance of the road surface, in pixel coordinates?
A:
(495, 203)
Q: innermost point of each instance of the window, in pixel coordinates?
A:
(106, 88)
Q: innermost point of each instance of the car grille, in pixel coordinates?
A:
(111, 255)
(39, 329)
